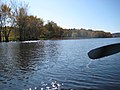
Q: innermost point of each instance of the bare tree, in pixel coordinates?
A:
(20, 12)
(0, 22)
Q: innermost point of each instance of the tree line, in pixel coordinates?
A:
(16, 24)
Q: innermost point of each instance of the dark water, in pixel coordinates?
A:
(35, 65)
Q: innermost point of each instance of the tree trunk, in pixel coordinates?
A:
(1, 33)
(6, 34)
(6, 39)
(0, 28)
(0, 36)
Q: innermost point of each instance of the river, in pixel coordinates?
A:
(35, 65)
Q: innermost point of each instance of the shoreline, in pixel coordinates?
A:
(67, 38)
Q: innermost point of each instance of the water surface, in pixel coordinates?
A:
(35, 65)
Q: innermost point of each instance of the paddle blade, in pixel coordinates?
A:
(104, 51)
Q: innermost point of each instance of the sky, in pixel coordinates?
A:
(89, 14)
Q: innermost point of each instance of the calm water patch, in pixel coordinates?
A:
(38, 65)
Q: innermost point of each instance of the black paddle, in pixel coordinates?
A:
(104, 51)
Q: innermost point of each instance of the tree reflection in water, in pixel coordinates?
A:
(20, 60)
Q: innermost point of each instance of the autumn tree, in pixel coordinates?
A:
(14, 18)
(33, 27)
(6, 20)
(0, 22)
(21, 12)
(54, 31)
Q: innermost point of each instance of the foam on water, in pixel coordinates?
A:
(31, 41)
(52, 86)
